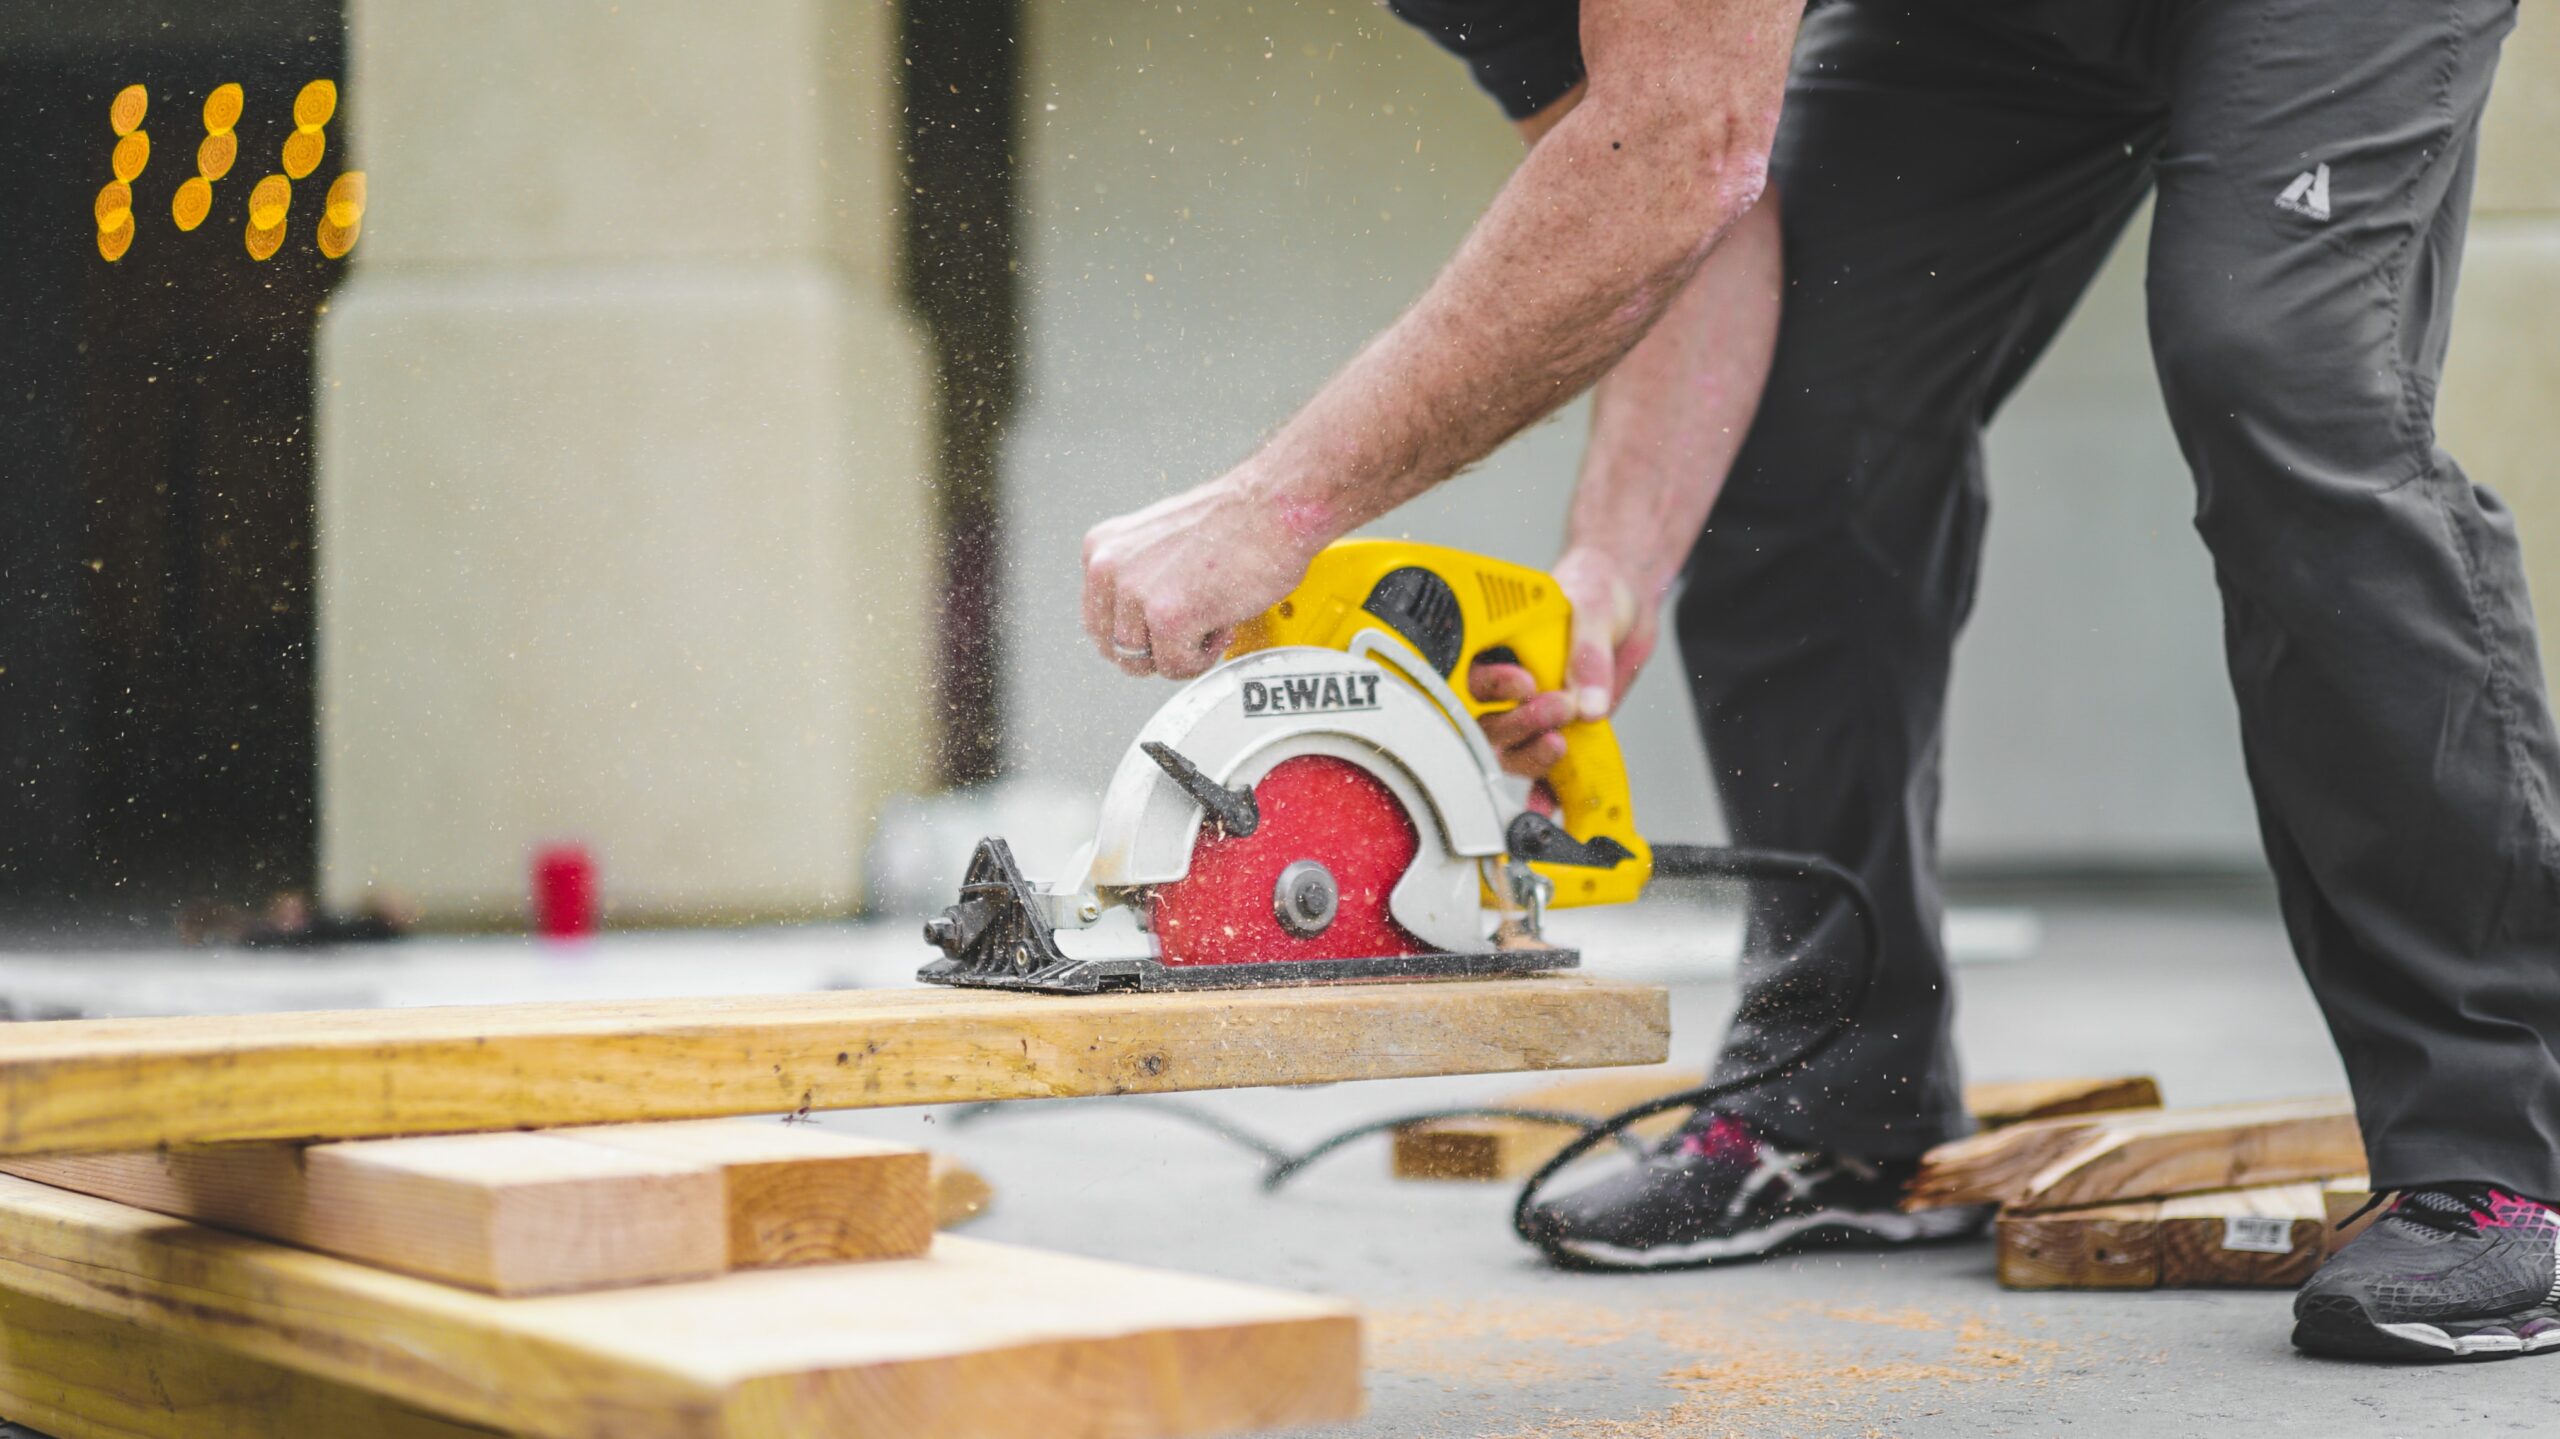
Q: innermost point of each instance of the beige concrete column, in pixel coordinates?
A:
(2499, 411)
(622, 455)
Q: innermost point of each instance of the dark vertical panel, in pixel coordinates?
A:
(963, 71)
(155, 490)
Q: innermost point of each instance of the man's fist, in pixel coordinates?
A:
(1614, 632)
(1166, 586)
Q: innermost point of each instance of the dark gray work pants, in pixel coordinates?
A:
(1951, 174)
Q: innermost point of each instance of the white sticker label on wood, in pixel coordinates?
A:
(2257, 1234)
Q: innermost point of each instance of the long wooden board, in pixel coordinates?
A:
(112, 1084)
(2143, 1154)
(973, 1340)
(798, 1194)
(1493, 1149)
(76, 1375)
(2270, 1237)
(503, 1213)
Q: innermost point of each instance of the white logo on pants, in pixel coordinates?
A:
(2308, 194)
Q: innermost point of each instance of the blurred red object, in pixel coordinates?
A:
(564, 891)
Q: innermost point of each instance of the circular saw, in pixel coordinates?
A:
(1321, 806)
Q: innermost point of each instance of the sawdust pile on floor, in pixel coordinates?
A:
(1802, 1370)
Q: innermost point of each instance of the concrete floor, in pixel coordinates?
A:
(1468, 1336)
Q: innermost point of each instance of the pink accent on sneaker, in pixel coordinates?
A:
(1724, 1137)
(2508, 1211)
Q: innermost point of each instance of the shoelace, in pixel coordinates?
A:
(2449, 1209)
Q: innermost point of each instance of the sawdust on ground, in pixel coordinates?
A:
(1801, 1370)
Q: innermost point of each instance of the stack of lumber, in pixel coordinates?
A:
(2241, 1194)
(528, 1220)
(1497, 1149)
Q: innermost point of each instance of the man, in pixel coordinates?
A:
(1950, 174)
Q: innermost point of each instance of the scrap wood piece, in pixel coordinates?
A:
(1999, 1103)
(962, 1343)
(797, 1194)
(2270, 1237)
(1481, 1149)
(502, 1213)
(78, 1375)
(960, 1193)
(118, 1084)
(2142, 1154)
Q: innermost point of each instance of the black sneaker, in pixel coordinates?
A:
(1720, 1191)
(2452, 1271)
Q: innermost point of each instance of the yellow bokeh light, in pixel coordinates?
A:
(317, 102)
(336, 239)
(222, 108)
(302, 152)
(115, 202)
(192, 203)
(264, 242)
(269, 202)
(130, 105)
(132, 153)
(113, 243)
(215, 154)
(346, 200)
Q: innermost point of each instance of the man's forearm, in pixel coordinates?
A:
(1595, 234)
(1671, 416)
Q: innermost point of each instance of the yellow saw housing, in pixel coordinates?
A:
(1451, 608)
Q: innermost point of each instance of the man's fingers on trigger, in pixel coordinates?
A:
(1508, 730)
(1534, 757)
(1500, 682)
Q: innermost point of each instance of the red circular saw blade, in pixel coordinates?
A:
(1313, 807)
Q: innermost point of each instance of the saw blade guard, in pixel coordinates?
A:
(1447, 609)
(1248, 716)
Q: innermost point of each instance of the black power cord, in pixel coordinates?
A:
(1670, 861)
(1698, 861)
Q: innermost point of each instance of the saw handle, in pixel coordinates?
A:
(1452, 608)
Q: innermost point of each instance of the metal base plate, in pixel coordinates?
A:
(1104, 976)
(998, 937)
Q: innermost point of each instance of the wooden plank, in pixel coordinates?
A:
(71, 1085)
(960, 1193)
(2113, 1246)
(2270, 1237)
(2267, 1238)
(962, 1343)
(1999, 1103)
(1488, 1149)
(798, 1194)
(2142, 1154)
(503, 1213)
(75, 1375)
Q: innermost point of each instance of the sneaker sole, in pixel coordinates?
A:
(2338, 1327)
(1878, 1229)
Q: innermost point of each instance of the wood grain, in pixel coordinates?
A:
(1999, 1103)
(1495, 1149)
(798, 1194)
(502, 1213)
(72, 1085)
(2143, 1154)
(2114, 1246)
(76, 1375)
(972, 1340)
(2185, 1242)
